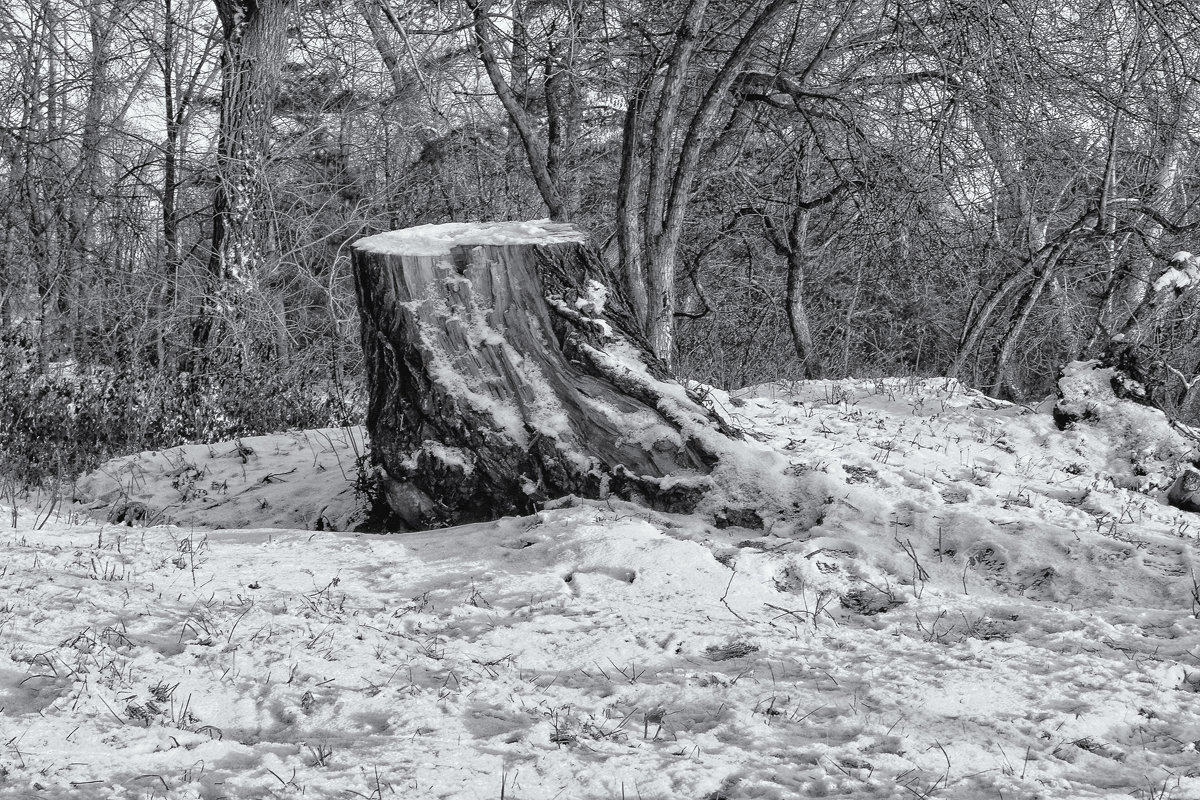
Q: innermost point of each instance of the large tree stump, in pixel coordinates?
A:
(504, 372)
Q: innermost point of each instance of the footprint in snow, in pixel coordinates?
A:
(1165, 560)
(576, 580)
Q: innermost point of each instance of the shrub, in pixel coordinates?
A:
(66, 420)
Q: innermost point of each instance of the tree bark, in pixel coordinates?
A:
(797, 312)
(665, 216)
(1134, 288)
(1003, 384)
(254, 44)
(503, 373)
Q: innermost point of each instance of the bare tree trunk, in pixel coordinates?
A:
(797, 313)
(168, 292)
(650, 222)
(1002, 384)
(1132, 350)
(665, 223)
(179, 88)
(255, 41)
(629, 189)
(49, 208)
(855, 294)
(80, 255)
(562, 111)
(538, 163)
(1134, 286)
(369, 11)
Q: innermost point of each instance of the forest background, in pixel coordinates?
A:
(984, 189)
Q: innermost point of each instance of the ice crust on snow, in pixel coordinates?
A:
(436, 240)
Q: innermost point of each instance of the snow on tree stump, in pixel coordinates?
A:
(503, 372)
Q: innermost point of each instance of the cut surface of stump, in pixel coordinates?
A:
(504, 371)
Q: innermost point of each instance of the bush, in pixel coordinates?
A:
(65, 421)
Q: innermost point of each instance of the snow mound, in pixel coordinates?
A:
(302, 479)
(1135, 436)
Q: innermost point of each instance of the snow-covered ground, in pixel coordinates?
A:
(980, 606)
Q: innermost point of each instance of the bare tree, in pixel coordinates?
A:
(254, 43)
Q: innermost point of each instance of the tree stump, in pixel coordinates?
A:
(504, 371)
(1185, 491)
(1138, 369)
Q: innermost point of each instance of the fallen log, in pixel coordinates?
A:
(504, 370)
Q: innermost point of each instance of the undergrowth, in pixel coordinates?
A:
(60, 422)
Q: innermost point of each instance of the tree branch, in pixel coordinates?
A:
(520, 120)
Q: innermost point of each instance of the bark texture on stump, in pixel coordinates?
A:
(1184, 493)
(503, 372)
